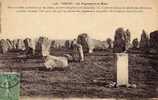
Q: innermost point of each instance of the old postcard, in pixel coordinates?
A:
(78, 49)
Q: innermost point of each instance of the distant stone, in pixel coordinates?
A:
(68, 44)
(3, 46)
(42, 47)
(10, 44)
(20, 44)
(100, 45)
(27, 42)
(14, 44)
(86, 42)
(59, 44)
(119, 41)
(110, 43)
(77, 51)
(52, 62)
(29, 48)
(153, 42)
(135, 43)
(105, 44)
(144, 42)
(52, 45)
(127, 39)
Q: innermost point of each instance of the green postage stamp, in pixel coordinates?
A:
(9, 86)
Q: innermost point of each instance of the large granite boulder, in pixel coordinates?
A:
(42, 47)
(52, 62)
(52, 45)
(119, 41)
(86, 42)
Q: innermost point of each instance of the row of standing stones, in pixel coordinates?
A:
(147, 44)
(121, 43)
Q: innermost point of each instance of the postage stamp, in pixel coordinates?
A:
(9, 86)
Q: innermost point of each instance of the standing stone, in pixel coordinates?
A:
(3, 46)
(86, 42)
(144, 42)
(104, 45)
(119, 41)
(10, 44)
(52, 46)
(20, 45)
(14, 44)
(135, 43)
(42, 47)
(29, 49)
(67, 44)
(122, 68)
(153, 42)
(77, 51)
(127, 39)
(28, 43)
(110, 43)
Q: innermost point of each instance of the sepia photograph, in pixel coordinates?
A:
(78, 49)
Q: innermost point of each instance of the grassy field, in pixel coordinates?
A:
(84, 79)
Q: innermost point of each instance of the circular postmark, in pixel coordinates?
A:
(8, 81)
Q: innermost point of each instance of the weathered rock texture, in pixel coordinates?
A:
(119, 41)
(42, 47)
(86, 42)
